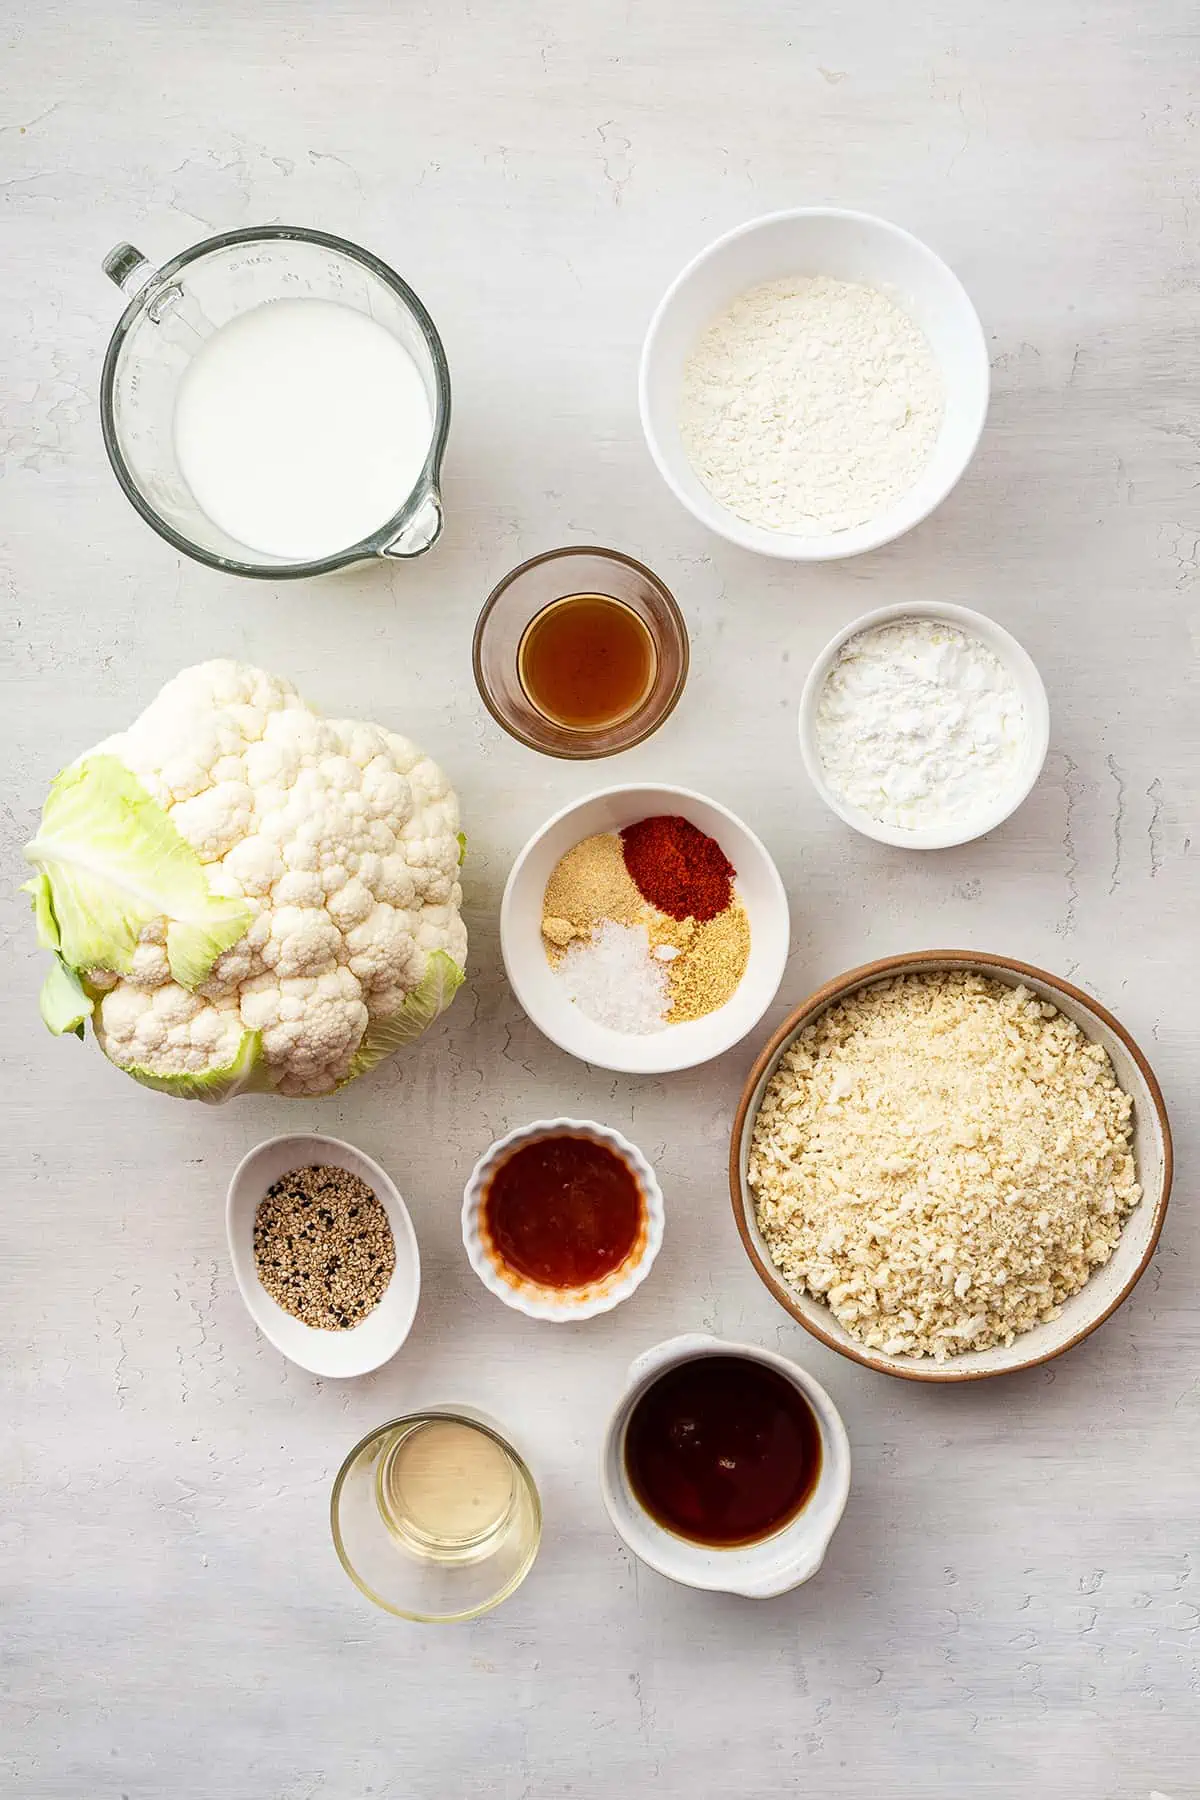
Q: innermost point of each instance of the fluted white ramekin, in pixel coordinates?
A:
(562, 1305)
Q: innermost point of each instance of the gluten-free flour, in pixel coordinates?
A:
(811, 405)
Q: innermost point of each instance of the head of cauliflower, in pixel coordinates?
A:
(243, 895)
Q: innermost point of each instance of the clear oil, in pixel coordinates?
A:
(446, 1491)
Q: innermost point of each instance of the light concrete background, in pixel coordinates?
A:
(1012, 1605)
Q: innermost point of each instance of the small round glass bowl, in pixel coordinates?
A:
(511, 608)
(412, 1552)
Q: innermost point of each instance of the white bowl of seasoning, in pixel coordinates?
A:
(886, 723)
(339, 1353)
(793, 1528)
(535, 1250)
(844, 247)
(539, 985)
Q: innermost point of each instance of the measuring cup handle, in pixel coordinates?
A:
(422, 530)
(128, 268)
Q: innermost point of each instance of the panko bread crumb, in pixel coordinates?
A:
(943, 1160)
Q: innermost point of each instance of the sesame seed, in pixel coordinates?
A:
(328, 1268)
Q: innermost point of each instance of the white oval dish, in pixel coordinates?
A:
(569, 1306)
(847, 246)
(332, 1353)
(537, 986)
(776, 1565)
(1037, 720)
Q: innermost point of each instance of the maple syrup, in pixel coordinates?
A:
(587, 661)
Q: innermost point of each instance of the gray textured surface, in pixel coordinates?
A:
(1012, 1604)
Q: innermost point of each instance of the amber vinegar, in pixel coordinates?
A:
(587, 661)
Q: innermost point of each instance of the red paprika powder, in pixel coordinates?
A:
(677, 868)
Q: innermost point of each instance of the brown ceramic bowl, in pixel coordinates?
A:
(1100, 1297)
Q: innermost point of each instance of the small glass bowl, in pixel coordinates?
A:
(400, 1559)
(527, 591)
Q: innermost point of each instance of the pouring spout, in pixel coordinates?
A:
(128, 268)
(775, 1582)
(421, 531)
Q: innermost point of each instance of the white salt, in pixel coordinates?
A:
(614, 980)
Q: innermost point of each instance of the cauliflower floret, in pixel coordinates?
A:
(169, 1033)
(396, 881)
(383, 947)
(150, 966)
(255, 864)
(214, 821)
(304, 941)
(260, 1000)
(320, 1022)
(349, 902)
(299, 887)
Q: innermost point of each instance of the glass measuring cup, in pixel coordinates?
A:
(175, 308)
(435, 1516)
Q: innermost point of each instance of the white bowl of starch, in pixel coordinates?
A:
(924, 725)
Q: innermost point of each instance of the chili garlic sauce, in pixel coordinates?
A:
(723, 1450)
(563, 1212)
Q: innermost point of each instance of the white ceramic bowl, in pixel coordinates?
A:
(562, 1307)
(333, 1353)
(758, 1571)
(1107, 1288)
(847, 246)
(537, 986)
(1037, 720)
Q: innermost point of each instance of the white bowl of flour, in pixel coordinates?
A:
(814, 384)
(924, 725)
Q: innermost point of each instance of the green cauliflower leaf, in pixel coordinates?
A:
(432, 995)
(110, 863)
(244, 1074)
(65, 1003)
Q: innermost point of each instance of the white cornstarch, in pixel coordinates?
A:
(943, 1160)
(920, 724)
(811, 405)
